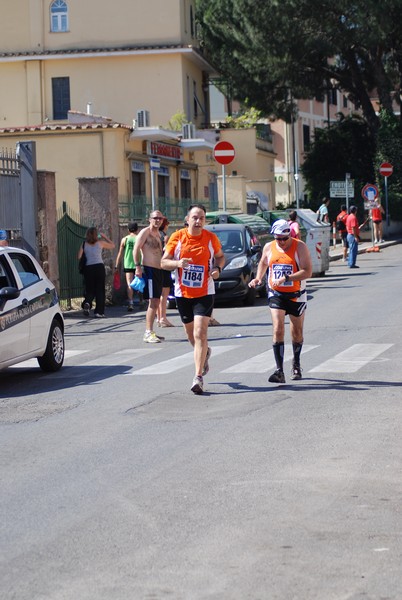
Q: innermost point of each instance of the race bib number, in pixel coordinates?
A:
(279, 270)
(193, 276)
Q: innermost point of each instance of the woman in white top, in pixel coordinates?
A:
(94, 270)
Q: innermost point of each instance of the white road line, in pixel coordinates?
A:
(264, 362)
(352, 359)
(120, 357)
(32, 362)
(179, 362)
(115, 359)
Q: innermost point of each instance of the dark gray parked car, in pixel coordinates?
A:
(242, 250)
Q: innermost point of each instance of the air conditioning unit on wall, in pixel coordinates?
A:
(142, 118)
(188, 131)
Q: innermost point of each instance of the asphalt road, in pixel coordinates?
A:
(118, 483)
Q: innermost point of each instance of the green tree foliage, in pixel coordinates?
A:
(177, 121)
(389, 149)
(272, 50)
(345, 147)
(244, 120)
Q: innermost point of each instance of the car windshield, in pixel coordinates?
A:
(232, 241)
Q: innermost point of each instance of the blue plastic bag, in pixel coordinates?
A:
(138, 284)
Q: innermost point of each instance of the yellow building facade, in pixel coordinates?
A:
(96, 84)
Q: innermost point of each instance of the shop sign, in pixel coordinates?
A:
(167, 151)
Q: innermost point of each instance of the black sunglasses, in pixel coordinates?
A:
(282, 239)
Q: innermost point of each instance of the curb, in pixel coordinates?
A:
(366, 247)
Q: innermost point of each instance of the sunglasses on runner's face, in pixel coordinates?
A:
(282, 239)
(157, 218)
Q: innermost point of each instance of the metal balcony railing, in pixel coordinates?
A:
(138, 208)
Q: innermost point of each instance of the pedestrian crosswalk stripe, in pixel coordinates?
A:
(108, 360)
(124, 356)
(264, 362)
(179, 362)
(32, 362)
(352, 359)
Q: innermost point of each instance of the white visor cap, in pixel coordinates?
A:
(280, 227)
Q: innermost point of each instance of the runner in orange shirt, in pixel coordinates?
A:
(289, 264)
(196, 256)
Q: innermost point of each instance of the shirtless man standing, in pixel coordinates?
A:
(149, 243)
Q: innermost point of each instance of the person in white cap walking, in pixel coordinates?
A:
(288, 262)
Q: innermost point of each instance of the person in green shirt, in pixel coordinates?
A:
(126, 251)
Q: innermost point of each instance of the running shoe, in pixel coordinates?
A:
(151, 338)
(206, 364)
(130, 307)
(277, 377)
(296, 372)
(99, 316)
(198, 385)
(86, 308)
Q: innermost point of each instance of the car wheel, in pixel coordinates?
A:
(249, 299)
(53, 358)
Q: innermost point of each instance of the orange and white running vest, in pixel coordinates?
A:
(282, 263)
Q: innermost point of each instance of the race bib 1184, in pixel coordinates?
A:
(193, 276)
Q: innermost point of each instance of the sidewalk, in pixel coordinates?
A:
(335, 253)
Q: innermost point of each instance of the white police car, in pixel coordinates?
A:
(31, 322)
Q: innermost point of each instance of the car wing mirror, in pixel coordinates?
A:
(9, 293)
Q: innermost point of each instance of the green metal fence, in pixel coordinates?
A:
(70, 235)
(175, 209)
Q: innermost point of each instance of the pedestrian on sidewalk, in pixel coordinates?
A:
(3, 238)
(195, 254)
(126, 251)
(322, 212)
(294, 225)
(289, 265)
(376, 214)
(148, 245)
(94, 270)
(161, 316)
(353, 236)
(341, 228)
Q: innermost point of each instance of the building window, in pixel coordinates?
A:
(61, 97)
(138, 178)
(345, 102)
(306, 137)
(58, 16)
(185, 184)
(333, 96)
(195, 100)
(192, 21)
(163, 182)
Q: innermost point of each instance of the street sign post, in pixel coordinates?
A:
(338, 189)
(154, 164)
(224, 154)
(369, 195)
(386, 169)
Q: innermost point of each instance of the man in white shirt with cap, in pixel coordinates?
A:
(288, 262)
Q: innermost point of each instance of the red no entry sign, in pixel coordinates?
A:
(224, 153)
(386, 169)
